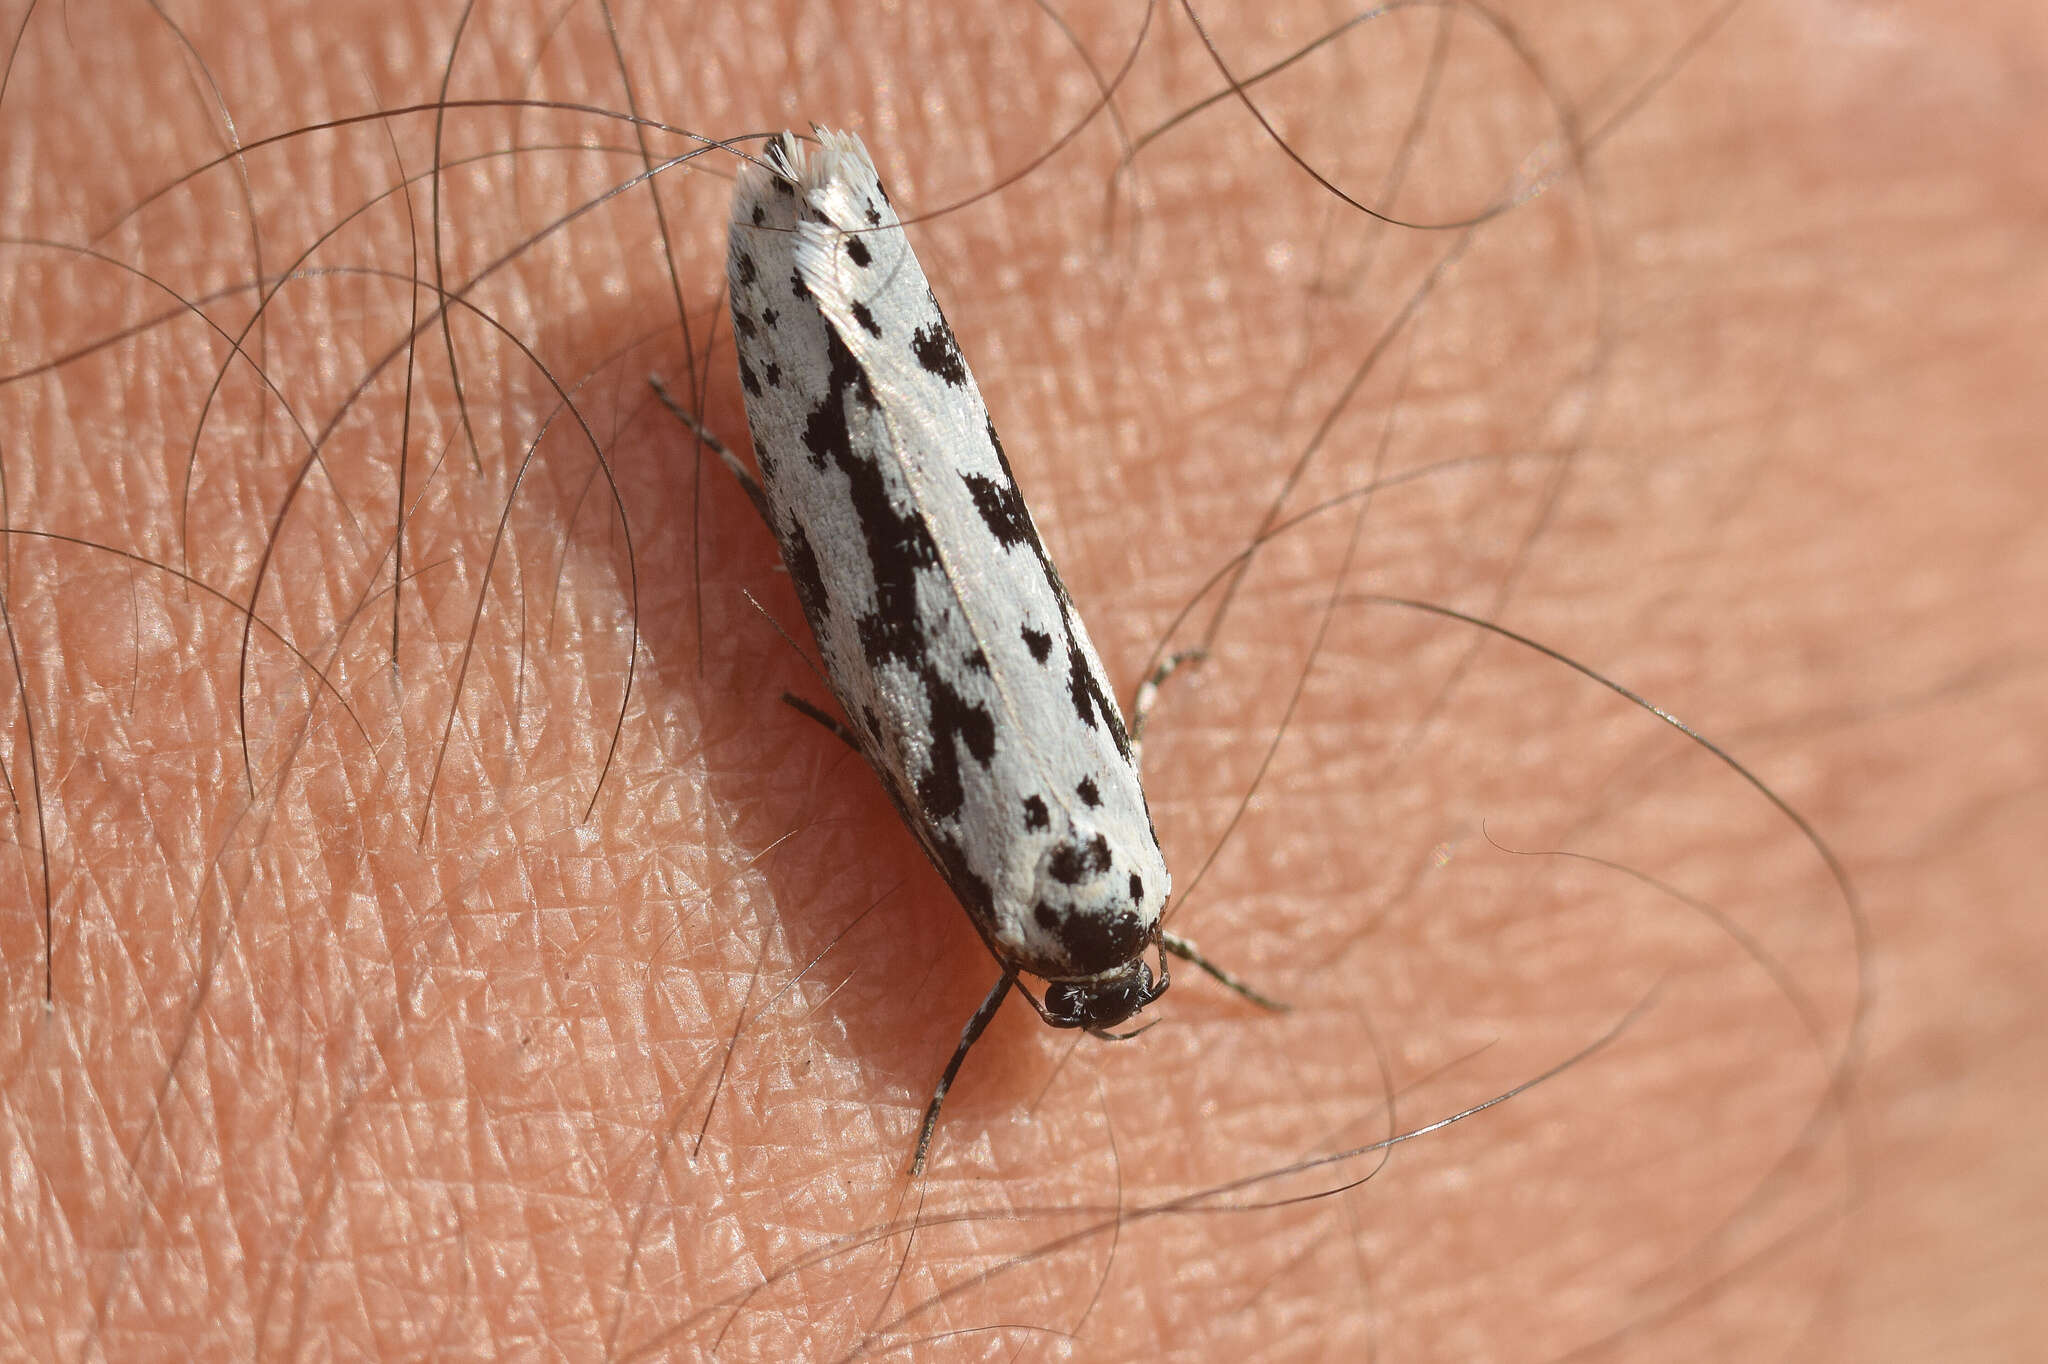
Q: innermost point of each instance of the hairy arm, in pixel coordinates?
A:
(519, 975)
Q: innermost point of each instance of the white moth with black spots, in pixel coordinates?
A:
(968, 681)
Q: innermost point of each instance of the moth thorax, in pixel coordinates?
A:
(1090, 901)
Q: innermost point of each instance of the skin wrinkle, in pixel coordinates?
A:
(313, 1080)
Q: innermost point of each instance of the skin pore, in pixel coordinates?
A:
(381, 1036)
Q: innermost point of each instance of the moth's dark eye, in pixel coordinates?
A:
(1103, 1002)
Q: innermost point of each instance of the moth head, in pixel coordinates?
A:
(1103, 1001)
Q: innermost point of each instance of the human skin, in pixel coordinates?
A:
(352, 1047)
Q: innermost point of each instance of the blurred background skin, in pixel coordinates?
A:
(321, 1080)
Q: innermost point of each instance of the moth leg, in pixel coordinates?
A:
(747, 481)
(968, 1036)
(805, 708)
(790, 698)
(1148, 697)
(1188, 952)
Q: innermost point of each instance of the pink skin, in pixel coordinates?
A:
(314, 1083)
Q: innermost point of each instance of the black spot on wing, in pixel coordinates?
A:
(955, 721)
(1091, 703)
(747, 380)
(1137, 889)
(1038, 642)
(1100, 942)
(888, 632)
(1002, 509)
(972, 723)
(827, 434)
(797, 286)
(1080, 685)
(874, 214)
(900, 551)
(1087, 792)
(759, 215)
(1073, 863)
(857, 250)
(1052, 576)
(744, 270)
(802, 562)
(866, 320)
(771, 375)
(1122, 738)
(1093, 942)
(744, 326)
(939, 353)
(1036, 816)
(769, 317)
(940, 793)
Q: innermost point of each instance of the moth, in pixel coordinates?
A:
(967, 679)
